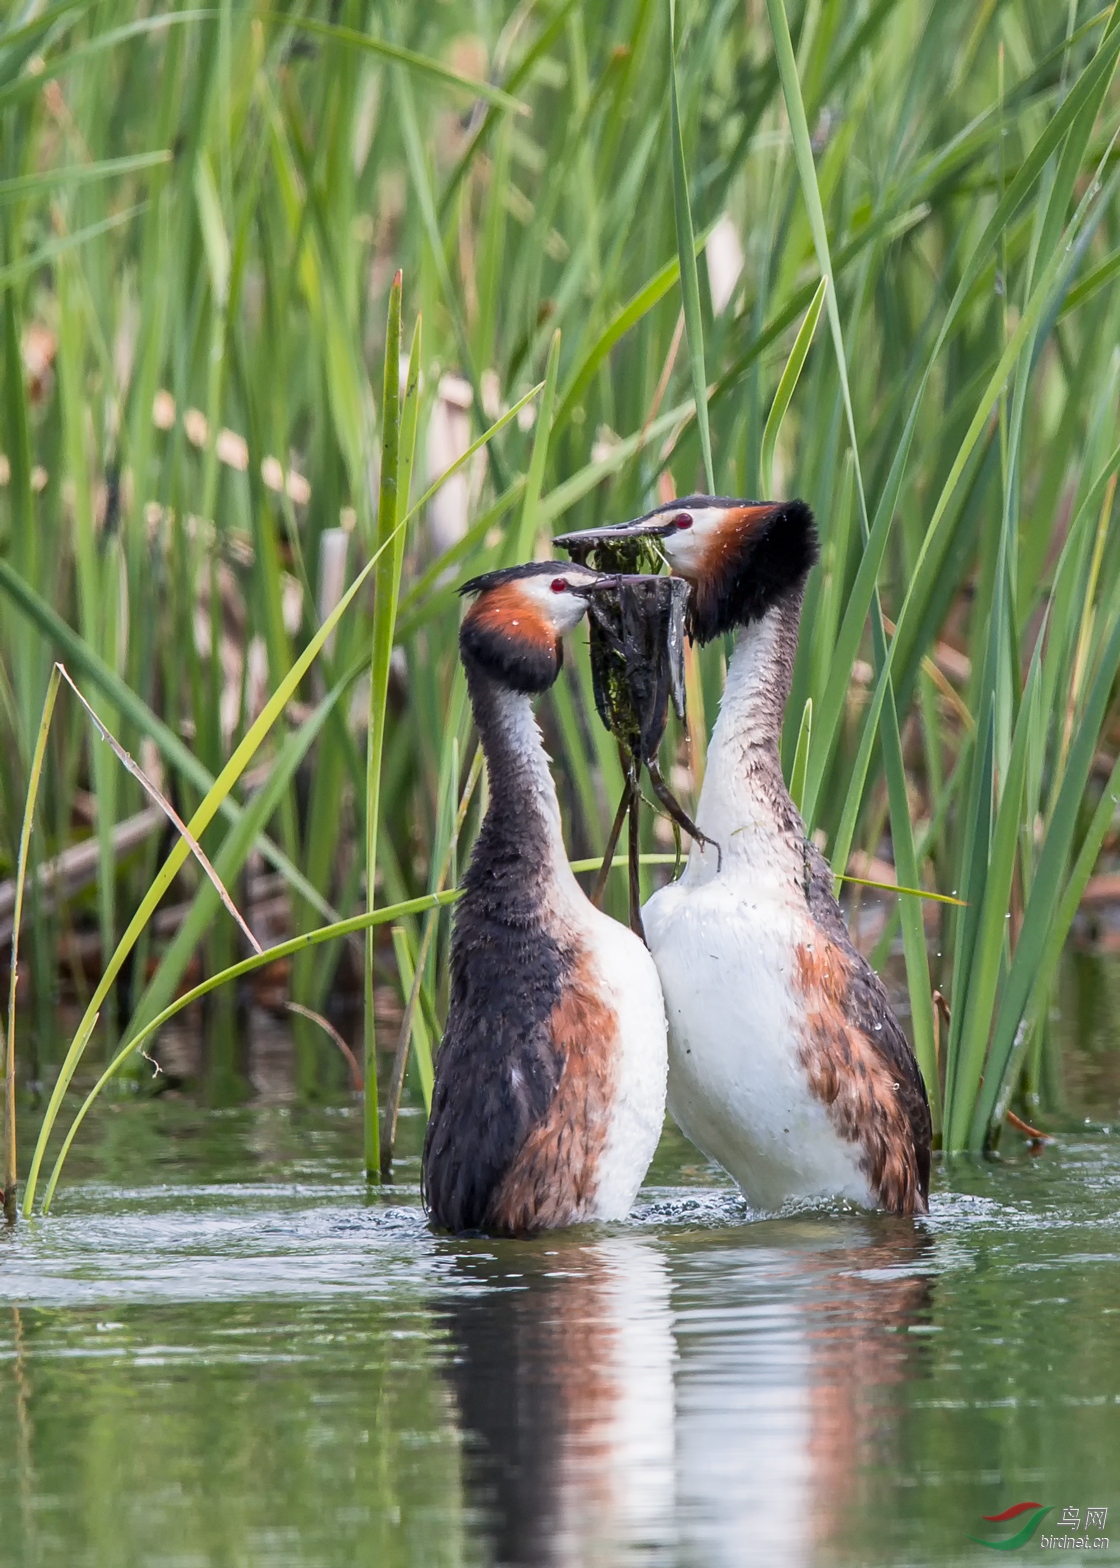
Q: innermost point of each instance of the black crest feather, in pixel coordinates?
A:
(774, 559)
(516, 656)
(514, 574)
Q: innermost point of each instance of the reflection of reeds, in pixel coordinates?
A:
(194, 431)
(24, 1460)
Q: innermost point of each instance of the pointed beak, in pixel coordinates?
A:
(603, 582)
(655, 526)
(611, 582)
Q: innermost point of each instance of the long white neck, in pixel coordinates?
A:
(517, 760)
(524, 812)
(744, 804)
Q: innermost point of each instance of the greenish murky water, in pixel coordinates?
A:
(221, 1350)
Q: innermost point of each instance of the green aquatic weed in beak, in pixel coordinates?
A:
(638, 625)
(637, 662)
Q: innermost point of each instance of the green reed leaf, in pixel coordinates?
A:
(801, 755)
(686, 255)
(8, 1190)
(79, 174)
(384, 620)
(917, 962)
(788, 384)
(1041, 930)
(523, 540)
(423, 65)
(247, 966)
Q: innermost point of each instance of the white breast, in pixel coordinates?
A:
(630, 984)
(736, 1084)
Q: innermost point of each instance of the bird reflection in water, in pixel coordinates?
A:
(562, 1369)
(793, 1351)
(689, 1398)
(863, 1357)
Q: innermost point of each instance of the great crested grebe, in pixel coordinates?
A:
(549, 1090)
(786, 1063)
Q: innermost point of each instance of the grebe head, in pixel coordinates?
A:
(741, 557)
(513, 628)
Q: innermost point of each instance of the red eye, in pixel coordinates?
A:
(683, 520)
(559, 585)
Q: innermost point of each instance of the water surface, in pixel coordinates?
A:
(221, 1349)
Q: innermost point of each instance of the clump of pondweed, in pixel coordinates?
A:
(637, 668)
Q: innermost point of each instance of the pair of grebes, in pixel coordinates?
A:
(750, 1008)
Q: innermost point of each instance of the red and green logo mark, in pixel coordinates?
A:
(1036, 1514)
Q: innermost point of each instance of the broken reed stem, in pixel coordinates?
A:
(159, 799)
(329, 1029)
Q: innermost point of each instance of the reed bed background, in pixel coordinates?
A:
(268, 274)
